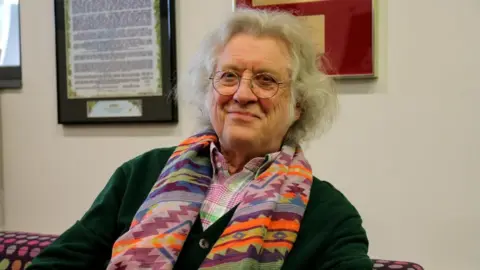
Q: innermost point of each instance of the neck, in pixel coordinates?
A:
(237, 157)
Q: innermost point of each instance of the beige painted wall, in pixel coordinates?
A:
(405, 149)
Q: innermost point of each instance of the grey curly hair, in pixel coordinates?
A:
(312, 91)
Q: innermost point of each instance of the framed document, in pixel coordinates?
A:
(10, 56)
(343, 31)
(116, 61)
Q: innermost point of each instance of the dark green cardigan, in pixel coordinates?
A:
(331, 234)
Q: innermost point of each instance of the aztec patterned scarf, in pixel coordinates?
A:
(260, 234)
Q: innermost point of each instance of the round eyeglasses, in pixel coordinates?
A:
(263, 85)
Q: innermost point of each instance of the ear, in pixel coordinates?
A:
(298, 112)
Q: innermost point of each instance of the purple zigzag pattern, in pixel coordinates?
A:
(185, 165)
(148, 205)
(252, 194)
(179, 186)
(260, 184)
(232, 255)
(296, 188)
(266, 213)
(149, 228)
(145, 257)
(199, 187)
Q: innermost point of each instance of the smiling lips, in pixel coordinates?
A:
(242, 115)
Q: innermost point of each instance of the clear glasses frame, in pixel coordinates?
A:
(260, 87)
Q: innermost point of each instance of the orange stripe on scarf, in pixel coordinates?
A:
(238, 243)
(245, 225)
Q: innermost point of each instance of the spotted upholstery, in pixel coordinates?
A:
(17, 249)
(391, 265)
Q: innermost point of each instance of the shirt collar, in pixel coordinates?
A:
(256, 165)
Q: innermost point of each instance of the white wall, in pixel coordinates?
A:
(405, 149)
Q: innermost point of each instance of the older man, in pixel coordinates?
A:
(239, 194)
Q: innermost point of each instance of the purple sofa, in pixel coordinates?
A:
(17, 249)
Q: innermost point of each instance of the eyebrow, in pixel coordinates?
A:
(256, 70)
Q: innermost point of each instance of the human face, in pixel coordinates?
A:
(242, 120)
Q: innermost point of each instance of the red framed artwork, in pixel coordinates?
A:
(343, 32)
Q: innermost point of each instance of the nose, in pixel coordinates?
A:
(244, 94)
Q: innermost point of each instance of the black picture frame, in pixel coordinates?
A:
(11, 76)
(154, 109)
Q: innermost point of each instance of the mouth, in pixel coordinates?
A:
(243, 115)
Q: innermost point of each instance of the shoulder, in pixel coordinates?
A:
(133, 180)
(325, 198)
(153, 158)
(331, 234)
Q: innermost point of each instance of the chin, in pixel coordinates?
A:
(238, 134)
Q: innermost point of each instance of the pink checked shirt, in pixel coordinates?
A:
(226, 190)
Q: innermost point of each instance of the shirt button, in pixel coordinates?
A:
(204, 243)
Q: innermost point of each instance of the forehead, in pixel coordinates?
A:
(255, 53)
